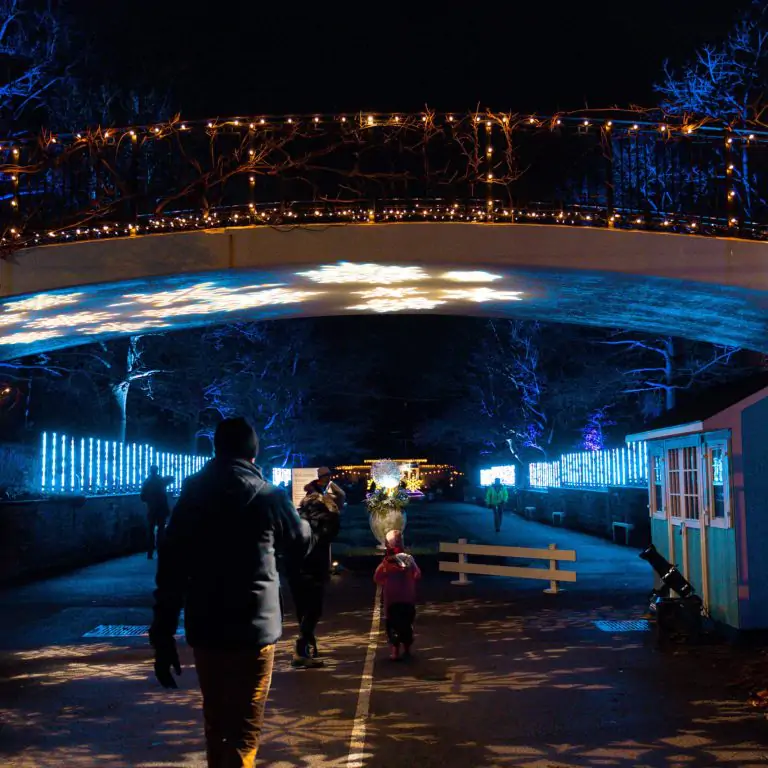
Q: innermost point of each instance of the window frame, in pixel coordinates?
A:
(720, 442)
(703, 444)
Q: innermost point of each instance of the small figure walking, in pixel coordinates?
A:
(153, 494)
(496, 497)
(397, 574)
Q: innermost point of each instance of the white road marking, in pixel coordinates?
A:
(357, 756)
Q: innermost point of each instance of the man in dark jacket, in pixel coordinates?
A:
(307, 579)
(154, 495)
(217, 560)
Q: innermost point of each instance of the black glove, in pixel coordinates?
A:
(166, 659)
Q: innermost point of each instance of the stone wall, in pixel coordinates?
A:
(593, 511)
(46, 536)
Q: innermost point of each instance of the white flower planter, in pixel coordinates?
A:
(390, 520)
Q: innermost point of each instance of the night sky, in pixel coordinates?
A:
(251, 58)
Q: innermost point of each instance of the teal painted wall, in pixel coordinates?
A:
(721, 548)
(754, 427)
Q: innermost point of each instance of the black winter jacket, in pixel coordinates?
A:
(217, 559)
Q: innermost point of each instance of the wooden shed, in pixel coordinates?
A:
(708, 498)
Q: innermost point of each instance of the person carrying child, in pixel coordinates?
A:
(397, 575)
(307, 578)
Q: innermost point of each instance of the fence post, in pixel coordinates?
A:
(554, 588)
(462, 581)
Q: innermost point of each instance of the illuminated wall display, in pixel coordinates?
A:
(68, 465)
(281, 475)
(505, 473)
(620, 467)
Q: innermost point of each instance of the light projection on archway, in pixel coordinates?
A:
(63, 318)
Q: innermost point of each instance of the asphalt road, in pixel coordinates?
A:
(504, 675)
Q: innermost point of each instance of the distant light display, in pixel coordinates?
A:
(92, 466)
(66, 317)
(281, 475)
(616, 467)
(506, 474)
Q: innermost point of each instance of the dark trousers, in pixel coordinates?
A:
(400, 618)
(498, 515)
(235, 686)
(155, 530)
(307, 591)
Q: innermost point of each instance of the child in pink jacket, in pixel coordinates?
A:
(397, 574)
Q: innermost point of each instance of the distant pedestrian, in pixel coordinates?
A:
(495, 498)
(307, 579)
(217, 560)
(155, 496)
(397, 574)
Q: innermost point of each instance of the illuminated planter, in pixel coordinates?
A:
(386, 510)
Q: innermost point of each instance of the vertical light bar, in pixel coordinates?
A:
(114, 463)
(63, 463)
(53, 461)
(82, 464)
(122, 464)
(43, 457)
(72, 464)
(98, 464)
(133, 466)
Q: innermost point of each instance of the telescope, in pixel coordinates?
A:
(677, 618)
(670, 576)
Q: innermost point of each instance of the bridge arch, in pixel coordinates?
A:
(710, 289)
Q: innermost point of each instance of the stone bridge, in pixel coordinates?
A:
(609, 222)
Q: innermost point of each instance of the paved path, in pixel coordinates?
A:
(505, 675)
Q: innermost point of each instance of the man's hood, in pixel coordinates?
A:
(238, 479)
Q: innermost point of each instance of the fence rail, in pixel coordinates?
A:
(610, 169)
(552, 573)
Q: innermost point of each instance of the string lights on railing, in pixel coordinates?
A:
(496, 180)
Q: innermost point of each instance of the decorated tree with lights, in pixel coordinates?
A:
(726, 82)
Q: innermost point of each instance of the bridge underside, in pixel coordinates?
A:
(704, 311)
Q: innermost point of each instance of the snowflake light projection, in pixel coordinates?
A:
(471, 277)
(395, 300)
(345, 272)
(67, 317)
(481, 295)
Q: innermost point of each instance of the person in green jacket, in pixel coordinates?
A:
(496, 497)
